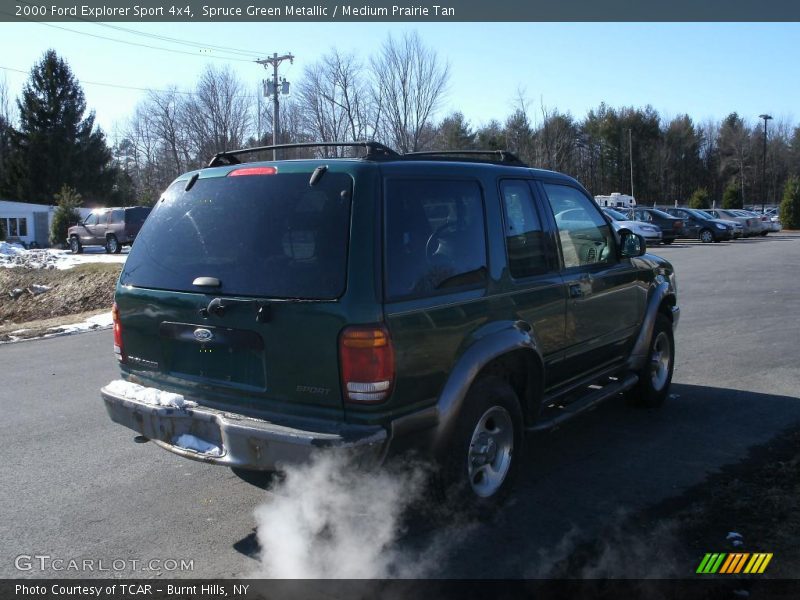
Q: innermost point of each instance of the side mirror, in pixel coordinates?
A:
(632, 245)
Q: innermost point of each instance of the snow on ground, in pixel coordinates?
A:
(97, 322)
(14, 255)
(148, 395)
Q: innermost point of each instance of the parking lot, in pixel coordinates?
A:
(77, 486)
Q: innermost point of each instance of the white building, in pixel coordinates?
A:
(26, 223)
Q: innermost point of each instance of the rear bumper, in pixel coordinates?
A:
(239, 440)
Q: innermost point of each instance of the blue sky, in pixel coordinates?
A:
(704, 69)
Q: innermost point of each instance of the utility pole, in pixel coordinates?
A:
(630, 151)
(276, 87)
(766, 118)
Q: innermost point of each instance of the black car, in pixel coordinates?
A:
(699, 225)
(671, 227)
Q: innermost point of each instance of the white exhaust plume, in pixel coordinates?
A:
(329, 519)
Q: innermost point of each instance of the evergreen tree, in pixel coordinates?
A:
(790, 206)
(56, 145)
(699, 199)
(454, 133)
(65, 215)
(732, 197)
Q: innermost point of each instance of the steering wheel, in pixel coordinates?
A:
(430, 246)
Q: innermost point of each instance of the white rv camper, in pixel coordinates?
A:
(616, 200)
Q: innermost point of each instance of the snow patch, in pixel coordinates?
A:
(148, 395)
(190, 442)
(14, 255)
(7, 249)
(100, 321)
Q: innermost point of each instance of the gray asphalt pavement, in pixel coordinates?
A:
(76, 486)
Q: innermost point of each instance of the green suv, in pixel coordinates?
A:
(442, 303)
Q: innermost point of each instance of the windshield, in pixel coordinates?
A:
(660, 213)
(260, 235)
(617, 216)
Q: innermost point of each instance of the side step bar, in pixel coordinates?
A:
(584, 404)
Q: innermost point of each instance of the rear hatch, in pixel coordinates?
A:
(231, 292)
(134, 219)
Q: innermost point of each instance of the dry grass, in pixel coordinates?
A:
(85, 288)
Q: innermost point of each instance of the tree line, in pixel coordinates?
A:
(393, 96)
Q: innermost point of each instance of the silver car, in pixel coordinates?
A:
(651, 233)
(750, 225)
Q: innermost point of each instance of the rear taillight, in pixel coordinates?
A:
(367, 362)
(117, 333)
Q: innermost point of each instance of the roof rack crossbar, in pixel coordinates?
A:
(502, 156)
(375, 150)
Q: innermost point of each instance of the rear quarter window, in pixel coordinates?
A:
(435, 237)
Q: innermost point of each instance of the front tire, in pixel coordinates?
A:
(75, 245)
(656, 376)
(707, 236)
(484, 455)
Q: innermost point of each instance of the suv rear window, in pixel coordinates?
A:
(264, 236)
(135, 216)
(435, 237)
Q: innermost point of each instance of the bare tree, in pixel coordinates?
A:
(410, 82)
(335, 100)
(735, 149)
(166, 114)
(219, 115)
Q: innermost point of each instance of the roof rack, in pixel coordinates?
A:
(502, 157)
(375, 151)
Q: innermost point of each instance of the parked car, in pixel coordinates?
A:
(738, 228)
(671, 227)
(112, 228)
(765, 219)
(701, 226)
(651, 233)
(435, 302)
(750, 223)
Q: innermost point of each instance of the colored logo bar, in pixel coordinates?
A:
(735, 562)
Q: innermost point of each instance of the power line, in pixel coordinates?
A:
(180, 41)
(126, 87)
(110, 39)
(165, 38)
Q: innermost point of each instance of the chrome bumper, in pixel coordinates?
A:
(243, 441)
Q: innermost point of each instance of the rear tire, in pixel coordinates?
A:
(112, 245)
(75, 245)
(656, 376)
(483, 458)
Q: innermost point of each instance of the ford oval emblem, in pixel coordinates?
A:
(203, 335)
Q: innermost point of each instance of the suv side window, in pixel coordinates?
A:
(585, 237)
(117, 216)
(435, 237)
(91, 219)
(523, 230)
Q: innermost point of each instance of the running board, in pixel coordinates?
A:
(586, 403)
